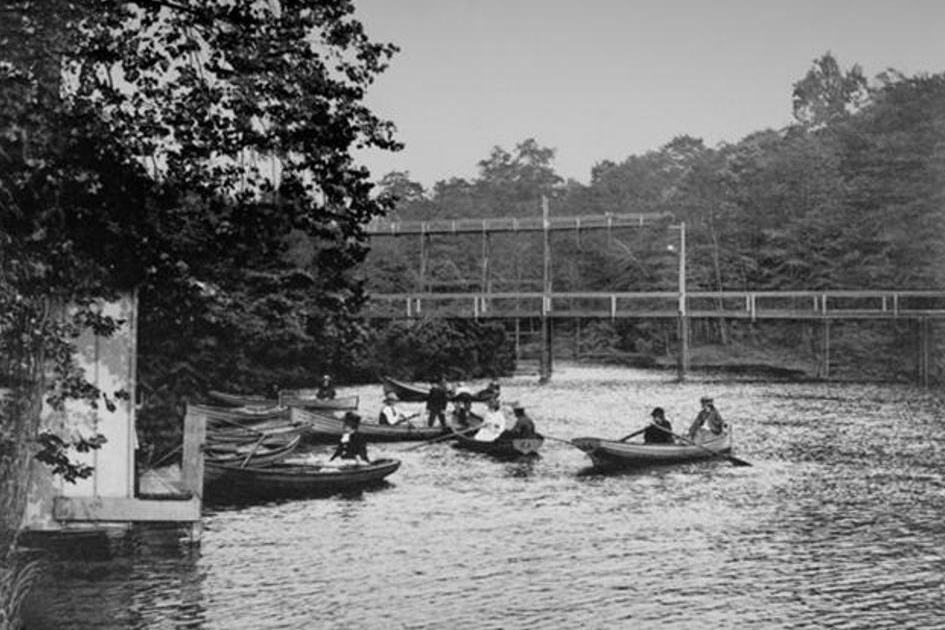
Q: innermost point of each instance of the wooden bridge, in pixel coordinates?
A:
(547, 305)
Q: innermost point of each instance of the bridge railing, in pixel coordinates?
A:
(663, 304)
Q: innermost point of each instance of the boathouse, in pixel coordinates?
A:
(112, 496)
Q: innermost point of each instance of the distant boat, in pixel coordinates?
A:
(408, 392)
(611, 454)
(306, 398)
(244, 400)
(502, 447)
(328, 428)
(295, 478)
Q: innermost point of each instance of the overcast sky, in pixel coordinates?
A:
(605, 79)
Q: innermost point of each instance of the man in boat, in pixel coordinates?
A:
(352, 446)
(326, 389)
(659, 431)
(709, 417)
(522, 425)
(390, 414)
(494, 422)
(436, 402)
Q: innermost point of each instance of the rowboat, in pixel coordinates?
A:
(328, 428)
(294, 478)
(413, 393)
(244, 400)
(306, 398)
(609, 454)
(259, 452)
(502, 447)
(240, 416)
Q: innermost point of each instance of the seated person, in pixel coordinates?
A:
(708, 417)
(352, 447)
(493, 422)
(326, 389)
(390, 414)
(660, 431)
(462, 408)
(522, 426)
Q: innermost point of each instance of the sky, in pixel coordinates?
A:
(606, 79)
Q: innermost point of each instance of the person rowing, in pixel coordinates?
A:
(659, 431)
(390, 414)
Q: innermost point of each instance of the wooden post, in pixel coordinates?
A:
(518, 339)
(484, 282)
(825, 350)
(683, 363)
(545, 369)
(924, 363)
(424, 243)
(191, 477)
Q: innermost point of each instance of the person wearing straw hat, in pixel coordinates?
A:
(494, 422)
(390, 414)
(352, 446)
(709, 417)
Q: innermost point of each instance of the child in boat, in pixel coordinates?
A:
(353, 446)
(660, 431)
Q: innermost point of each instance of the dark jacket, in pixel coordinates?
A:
(351, 448)
(656, 435)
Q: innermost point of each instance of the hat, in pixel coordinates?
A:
(352, 418)
(658, 412)
(390, 396)
(705, 399)
(516, 405)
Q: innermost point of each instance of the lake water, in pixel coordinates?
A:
(839, 523)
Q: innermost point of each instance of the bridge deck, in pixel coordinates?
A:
(614, 305)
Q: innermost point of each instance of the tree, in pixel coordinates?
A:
(826, 93)
(199, 151)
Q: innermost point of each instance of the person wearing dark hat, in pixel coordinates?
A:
(436, 402)
(659, 431)
(352, 446)
(522, 425)
(326, 389)
(708, 417)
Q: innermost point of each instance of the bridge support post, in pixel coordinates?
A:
(683, 365)
(545, 371)
(825, 350)
(924, 358)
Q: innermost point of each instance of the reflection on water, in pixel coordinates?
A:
(838, 524)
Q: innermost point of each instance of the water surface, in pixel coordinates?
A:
(838, 524)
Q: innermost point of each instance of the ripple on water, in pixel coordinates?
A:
(837, 524)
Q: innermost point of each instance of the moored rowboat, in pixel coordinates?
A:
(610, 454)
(502, 447)
(244, 400)
(290, 478)
(407, 392)
(328, 428)
(306, 398)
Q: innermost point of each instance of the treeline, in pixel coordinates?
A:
(850, 196)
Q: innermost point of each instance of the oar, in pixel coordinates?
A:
(253, 451)
(449, 435)
(731, 458)
(634, 434)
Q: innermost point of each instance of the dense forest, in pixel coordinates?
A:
(850, 196)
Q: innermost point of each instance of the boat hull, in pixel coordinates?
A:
(322, 428)
(294, 479)
(503, 447)
(412, 393)
(302, 398)
(611, 455)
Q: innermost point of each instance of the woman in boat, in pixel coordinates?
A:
(493, 422)
(352, 446)
(709, 417)
(462, 407)
(659, 431)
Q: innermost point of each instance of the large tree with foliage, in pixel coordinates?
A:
(198, 151)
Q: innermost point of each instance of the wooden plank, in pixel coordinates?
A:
(195, 433)
(123, 509)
